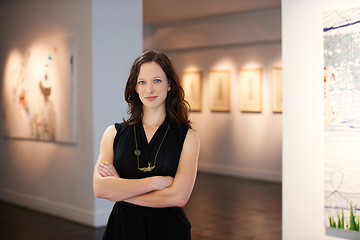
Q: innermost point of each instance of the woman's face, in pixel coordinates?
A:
(152, 85)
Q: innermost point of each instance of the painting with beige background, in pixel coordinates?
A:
(219, 81)
(191, 83)
(250, 90)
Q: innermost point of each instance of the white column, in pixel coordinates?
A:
(117, 41)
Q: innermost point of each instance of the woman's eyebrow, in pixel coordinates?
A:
(152, 78)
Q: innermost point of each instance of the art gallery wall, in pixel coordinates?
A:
(233, 143)
(53, 177)
(303, 121)
(49, 176)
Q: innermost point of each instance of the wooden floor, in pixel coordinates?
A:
(220, 208)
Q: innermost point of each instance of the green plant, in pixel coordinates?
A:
(354, 223)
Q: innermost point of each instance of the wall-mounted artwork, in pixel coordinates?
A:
(276, 89)
(219, 90)
(342, 120)
(37, 93)
(191, 82)
(250, 90)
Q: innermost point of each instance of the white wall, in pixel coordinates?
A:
(303, 181)
(57, 178)
(232, 143)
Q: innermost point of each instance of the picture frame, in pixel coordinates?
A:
(219, 86)
(276, 90)
(38, 95)
(191, 83)
(250, 90)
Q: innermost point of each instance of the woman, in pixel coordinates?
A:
(148, 163)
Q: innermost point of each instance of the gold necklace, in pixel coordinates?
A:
(137, 152)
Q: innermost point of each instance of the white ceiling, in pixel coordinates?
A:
(162, 11)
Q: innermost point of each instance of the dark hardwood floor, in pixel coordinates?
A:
(220, 208)
(229, 208)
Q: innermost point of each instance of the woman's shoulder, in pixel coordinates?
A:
(192, 141)
(122, 130)
(114, 129)
(109, 134)
(119, 126)
(193, 135)
(185, 132)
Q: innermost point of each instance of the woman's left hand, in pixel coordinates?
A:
(106, 169)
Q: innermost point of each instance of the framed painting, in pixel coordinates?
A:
(38, 101)
(191, 83)
(219, 86)
(250, 90)
(276, 89)
(341, 98)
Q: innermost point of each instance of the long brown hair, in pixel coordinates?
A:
(176, 106)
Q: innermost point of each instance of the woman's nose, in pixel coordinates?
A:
(150, 88)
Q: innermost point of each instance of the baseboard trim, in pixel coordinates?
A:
(61, 210)
(236, 171)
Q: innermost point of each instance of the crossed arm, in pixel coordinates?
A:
(157, 191)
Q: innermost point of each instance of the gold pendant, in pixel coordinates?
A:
(137, 152)
(148, 168)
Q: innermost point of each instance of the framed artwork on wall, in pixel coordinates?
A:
(38, 101)
(219, 85)
(276, 89)
(341, 98)
(191, 83)
(250, 90)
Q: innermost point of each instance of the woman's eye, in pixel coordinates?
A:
(157, 80)
(141, 82)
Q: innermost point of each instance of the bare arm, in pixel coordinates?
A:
(110, 185)
(179, 192)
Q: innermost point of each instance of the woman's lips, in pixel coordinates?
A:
(151, 98)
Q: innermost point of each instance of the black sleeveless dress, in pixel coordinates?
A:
(132, 222)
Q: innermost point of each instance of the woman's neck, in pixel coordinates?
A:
(153, 117)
